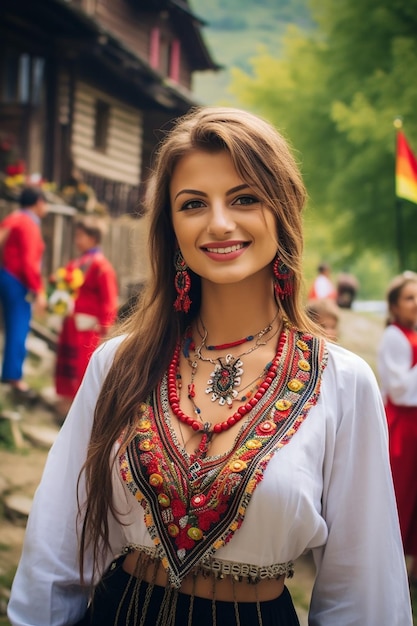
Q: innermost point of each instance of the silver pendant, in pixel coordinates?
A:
(224, 379)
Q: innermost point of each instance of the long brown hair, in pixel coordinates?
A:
(263, 160)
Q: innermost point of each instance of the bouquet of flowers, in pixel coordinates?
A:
(63, 288)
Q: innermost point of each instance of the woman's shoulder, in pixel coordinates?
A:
(347, 365)
(104, 355)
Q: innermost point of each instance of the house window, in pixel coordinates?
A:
(101, 130)
(22, 78)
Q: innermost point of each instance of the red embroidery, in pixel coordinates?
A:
(192, 510)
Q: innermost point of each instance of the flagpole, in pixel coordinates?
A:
(400, 241)
(398, 122)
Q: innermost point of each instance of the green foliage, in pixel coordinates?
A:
(6, 437)
(6, 578)
(335, 91)
(233, 33)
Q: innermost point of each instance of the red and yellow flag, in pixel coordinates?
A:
(405, 170)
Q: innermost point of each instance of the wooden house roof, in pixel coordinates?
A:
(79, 35)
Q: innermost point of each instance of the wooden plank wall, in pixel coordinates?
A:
(122, 159)
(125, 20)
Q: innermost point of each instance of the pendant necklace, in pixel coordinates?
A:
(226, 376)
(207, 429)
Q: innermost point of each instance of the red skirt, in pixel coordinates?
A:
(75, 348)
(402, 426)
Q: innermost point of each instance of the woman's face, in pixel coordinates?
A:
(222, 229)
(405, 310)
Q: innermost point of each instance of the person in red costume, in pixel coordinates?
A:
(21, 284)
(397, 366)
(94, 310)
(322, 286)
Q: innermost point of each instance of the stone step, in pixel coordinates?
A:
(41, 436)
(17, 508)
(13, 418)
(48, 336)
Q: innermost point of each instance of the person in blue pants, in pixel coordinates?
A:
(21, 285)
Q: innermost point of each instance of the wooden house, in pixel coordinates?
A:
(85, 85)
(85, 88)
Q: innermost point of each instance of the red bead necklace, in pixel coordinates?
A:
(243, 410)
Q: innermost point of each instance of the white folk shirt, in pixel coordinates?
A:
(329, 490)
(397, 375)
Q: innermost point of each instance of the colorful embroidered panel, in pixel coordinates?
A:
(192, 510)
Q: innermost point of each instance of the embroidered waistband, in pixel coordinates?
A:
(220, 569)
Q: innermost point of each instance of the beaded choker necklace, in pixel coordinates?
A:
(231, 344)
(238, 342)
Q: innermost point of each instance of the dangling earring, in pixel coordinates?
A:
(182, 282)
(282, 278)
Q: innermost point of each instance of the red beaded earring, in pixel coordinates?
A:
(282, 279)
(182, 283)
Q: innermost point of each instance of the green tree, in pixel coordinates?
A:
(335, 92)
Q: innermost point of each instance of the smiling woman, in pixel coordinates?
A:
(219, 436)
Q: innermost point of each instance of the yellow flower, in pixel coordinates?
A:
(77, 278)
(61, 273)
(194, 533)
(304, 365)
(155, 480)
(145, 445)
(282, 404)
(253, 444)
(295, 385)
(60, 308)
(163, 499)
(237, 465)
(173, 530)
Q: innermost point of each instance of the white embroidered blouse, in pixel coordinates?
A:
(329, 490)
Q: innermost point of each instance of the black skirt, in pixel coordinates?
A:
(118, 601)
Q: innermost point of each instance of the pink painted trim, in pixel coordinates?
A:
(174, 64)
(154, 48)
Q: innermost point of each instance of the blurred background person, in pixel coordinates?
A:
(21, 285)
(397, 367)
(322, 286)
(92, 280)
(347, 288)
(326, 314)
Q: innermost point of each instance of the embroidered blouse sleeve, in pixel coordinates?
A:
(46, 590)
(397, 376)
(361, 577)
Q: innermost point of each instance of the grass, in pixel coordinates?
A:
(414, 604)
(5, 583)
